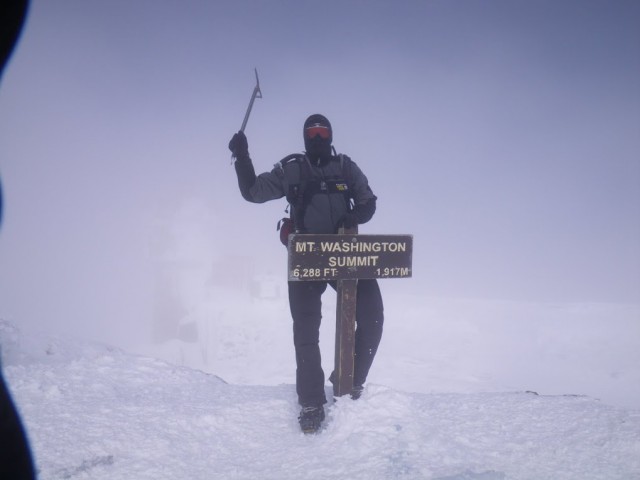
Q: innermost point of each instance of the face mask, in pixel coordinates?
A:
(318, 149)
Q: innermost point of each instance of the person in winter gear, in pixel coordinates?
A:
(326, 191)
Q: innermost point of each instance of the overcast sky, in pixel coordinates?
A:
(504, 135)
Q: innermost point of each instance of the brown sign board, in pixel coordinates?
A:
(349, 256)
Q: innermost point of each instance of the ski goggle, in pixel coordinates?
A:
(317, 130)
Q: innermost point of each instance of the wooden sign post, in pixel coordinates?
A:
(344, 258)
(344, 356)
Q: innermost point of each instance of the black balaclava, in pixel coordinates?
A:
(318, 149)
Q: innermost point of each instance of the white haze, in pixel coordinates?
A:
(502, 135)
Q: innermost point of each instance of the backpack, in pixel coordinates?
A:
(297, 170)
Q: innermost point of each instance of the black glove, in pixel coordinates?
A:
(239, 146)
(350, 220)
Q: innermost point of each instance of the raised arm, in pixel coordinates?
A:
(256, 189)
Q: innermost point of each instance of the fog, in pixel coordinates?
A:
(502, 135)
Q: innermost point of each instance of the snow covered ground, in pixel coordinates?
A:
(450, 397)
(430, 345)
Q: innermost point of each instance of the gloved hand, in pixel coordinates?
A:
(239, 146)
(350, 220)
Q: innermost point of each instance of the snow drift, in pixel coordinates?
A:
(92, 411)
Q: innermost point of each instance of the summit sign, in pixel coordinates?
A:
(349, 256)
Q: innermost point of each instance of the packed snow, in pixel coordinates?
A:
(485, 391)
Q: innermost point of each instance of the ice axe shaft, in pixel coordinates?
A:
(256, 94)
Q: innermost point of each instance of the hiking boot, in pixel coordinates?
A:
(311, 418)
(356, 392)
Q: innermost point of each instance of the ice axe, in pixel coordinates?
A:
(256, 94)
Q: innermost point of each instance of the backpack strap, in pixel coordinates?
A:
(296, 170)
(346, 166)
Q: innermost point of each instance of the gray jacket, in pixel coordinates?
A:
(331, 191)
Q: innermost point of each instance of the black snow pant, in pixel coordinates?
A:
(305, 303)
